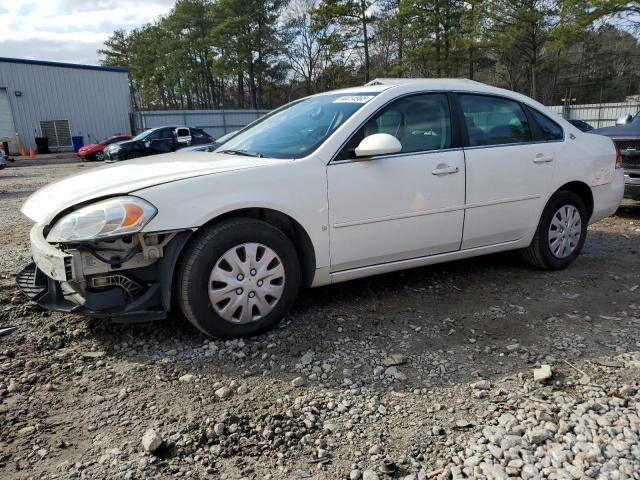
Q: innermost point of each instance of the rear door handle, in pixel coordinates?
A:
(444, 169)
(541, 158)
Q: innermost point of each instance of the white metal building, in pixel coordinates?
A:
(60, 101)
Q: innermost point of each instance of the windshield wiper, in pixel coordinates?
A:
(246, 153)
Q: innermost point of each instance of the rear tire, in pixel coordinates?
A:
(561, 233)
(238, 278)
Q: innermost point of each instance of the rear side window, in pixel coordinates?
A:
(550, 129)
(494, 120)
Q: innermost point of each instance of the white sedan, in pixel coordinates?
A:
(392, 175)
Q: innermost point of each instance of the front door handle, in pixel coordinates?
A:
(444, 169)
(541, 158)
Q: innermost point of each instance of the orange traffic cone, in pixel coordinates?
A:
(22, 151)
(32, 154)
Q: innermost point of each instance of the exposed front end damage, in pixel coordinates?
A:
(126, 279)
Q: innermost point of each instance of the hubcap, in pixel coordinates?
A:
(565, 231)
(246, 283)
(99, 156)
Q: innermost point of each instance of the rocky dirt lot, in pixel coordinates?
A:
(414, 375)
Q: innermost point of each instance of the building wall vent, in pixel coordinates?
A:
(58, 133)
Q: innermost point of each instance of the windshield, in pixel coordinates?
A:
(142, 135)
(636, 119)
(297, 129)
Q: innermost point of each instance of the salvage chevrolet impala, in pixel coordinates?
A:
(341, 185)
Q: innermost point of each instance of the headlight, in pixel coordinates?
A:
(109, 218)
(114, 148)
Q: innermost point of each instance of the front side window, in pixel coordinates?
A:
(550, 129)
(494, 120)
(297, 129)
(420, 122)
(160, 135)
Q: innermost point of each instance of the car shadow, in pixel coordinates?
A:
(629, 209)
(488, 316)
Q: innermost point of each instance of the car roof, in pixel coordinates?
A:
(174, 126)
(380, 84)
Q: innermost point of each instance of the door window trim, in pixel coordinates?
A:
(456, 137)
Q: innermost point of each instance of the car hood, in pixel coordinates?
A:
(91, 147)
(632, 130)
(127, 177)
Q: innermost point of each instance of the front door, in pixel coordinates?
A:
(508, 174)
(400, 206)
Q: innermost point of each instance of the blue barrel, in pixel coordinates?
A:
(78, 143)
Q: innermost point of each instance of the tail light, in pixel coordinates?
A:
(618, 156)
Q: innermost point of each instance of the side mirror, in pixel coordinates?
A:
(378, 144)
(624, 119)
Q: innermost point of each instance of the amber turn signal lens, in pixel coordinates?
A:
(133, 213)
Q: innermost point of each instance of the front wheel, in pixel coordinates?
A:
(238, 278)
(560, 234)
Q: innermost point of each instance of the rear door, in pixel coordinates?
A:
(509, 172)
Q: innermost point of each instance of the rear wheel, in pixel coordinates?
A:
(561, 232)
(238, 278)
(99, 156)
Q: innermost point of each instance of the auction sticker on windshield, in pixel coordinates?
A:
(354, 99)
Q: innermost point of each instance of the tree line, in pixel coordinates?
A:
(207, 54)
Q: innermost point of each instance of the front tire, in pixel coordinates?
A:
(238, 278)
(561, 233)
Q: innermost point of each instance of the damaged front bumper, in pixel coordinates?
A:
(125, 279)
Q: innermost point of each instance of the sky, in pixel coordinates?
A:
(69, 30)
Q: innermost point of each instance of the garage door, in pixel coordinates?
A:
(7, 128)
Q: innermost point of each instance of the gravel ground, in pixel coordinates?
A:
(427, 373)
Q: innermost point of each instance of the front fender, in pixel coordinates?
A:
(297, 189)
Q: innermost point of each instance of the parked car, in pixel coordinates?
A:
(581, 125)
(341, 185)
(210, 147)
(4, 159)
(96, 151)
(156, 140)
(626, 136)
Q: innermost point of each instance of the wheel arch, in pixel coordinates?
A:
(285, 223)
(583, 191)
